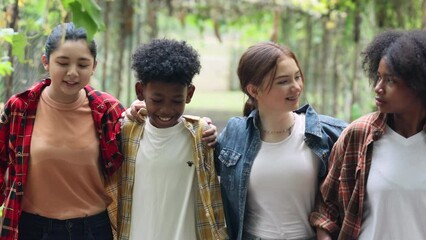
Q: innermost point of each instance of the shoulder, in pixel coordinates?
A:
(362, 128)
(331, 121)
(195, 123)
(17, 102)
(365, 123)
(96, 95)
(21, 100)
(238, 122)
(192, 118)
(236, 128)
(312, 115)
(131, 129)
(103, 102)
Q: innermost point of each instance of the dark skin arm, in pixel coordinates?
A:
(209, 136)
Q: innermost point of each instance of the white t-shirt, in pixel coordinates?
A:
(282, 188)
(163, 205)
(395, 204)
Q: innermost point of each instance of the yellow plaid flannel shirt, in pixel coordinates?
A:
(210, 216)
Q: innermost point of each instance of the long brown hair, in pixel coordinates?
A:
(258, 61)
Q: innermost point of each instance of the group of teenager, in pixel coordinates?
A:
(74, 165)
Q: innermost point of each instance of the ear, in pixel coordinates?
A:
(45, 62)
(252, 90)
(139, 87)
(190, 93)
(95, 63)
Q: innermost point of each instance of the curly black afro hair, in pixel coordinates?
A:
(405, 55)
(376, 50)
(166, 60)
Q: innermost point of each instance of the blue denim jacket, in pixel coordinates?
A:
(238, 145)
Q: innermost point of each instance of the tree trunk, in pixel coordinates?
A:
(324, 73)
(306, 68)
(126, 16)
(276, 25)
(357, 35)
(152, 18)
(424, 14)
(8, 80)
(106, 43)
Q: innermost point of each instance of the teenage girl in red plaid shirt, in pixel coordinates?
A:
(58, 148)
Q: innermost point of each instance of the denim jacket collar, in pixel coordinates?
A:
(251, 119)
(312, 126)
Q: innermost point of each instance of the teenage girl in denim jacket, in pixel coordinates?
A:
(270, 160)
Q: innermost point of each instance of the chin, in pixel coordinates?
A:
(165, 125)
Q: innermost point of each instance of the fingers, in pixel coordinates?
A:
(209, 121)
(129, 114)
(137, 111)
(210, 135)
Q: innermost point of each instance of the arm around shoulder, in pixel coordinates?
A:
(326, 215)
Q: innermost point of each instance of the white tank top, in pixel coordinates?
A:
(282, 188)
(395, 204)
(163, 205)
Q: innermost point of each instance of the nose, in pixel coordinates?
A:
(166, 111)
(72, 71)
(378, 89)
(297, 86)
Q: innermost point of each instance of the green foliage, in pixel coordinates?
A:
(356, 111)
(5, 68)
(87, 14)
(37, 17)
(18, 42)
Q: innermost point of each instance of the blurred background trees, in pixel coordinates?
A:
(326, 35)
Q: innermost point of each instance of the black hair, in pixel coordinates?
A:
(405, 56)
(166, 60)
(67, 31)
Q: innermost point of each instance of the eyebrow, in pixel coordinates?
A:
(67, 58)
(386, 74)
(161, 95)
(286, 76)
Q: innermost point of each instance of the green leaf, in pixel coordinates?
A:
(86, 14)
(6, 34)
(94, 11)
(83, 18)
(6, 68)
(18, 46)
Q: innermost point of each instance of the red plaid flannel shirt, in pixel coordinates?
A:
(16, 126)
(340, 204)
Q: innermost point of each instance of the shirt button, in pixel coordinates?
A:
(19, 183)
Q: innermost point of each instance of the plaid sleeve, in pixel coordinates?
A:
(210, 227)
(4, 138)
(326, 213)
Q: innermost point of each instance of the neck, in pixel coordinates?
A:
(276, 128)
(61, 99)
(408, 125)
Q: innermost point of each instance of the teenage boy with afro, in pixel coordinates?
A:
(168, 187)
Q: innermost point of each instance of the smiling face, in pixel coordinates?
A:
(283, 95)
(70, 67)
(392, 93)
(165, 102)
